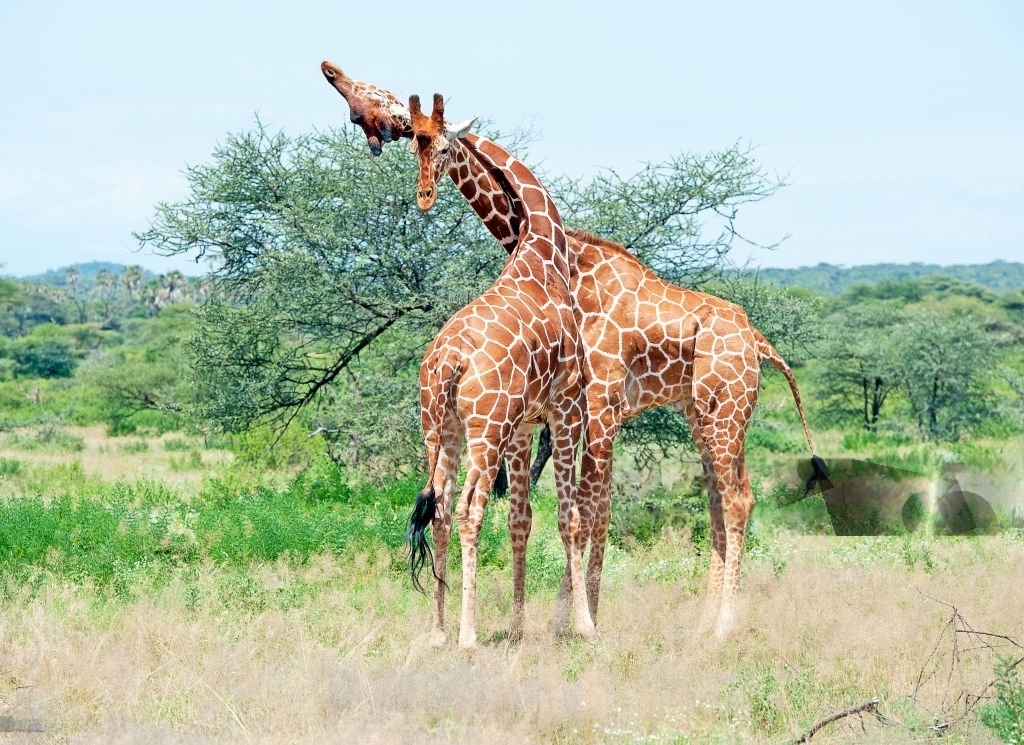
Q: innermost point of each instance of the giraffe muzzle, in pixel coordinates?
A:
(426, 198)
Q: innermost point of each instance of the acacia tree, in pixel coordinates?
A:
(315, 252)
(680, 217)
(948, 360)
(937, 362)
(320, 263)
(862, 368)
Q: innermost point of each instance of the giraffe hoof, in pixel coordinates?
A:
(560, 631)
(436, 638)
(586, 630)
(723, 629)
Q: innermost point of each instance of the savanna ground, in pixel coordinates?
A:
(200, 641)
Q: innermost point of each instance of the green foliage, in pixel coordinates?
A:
(42, 358)
(317, 253)
(786, 506)
(81, 540)
(268, 449)
(1005, 715)
(655, 433)
(933, 359)
(369, 418)
(944, 373)
(176, 444)
(678, 217)
(10, 467)
(775, 440)
(145, 385)
(87, 531)
(49, 436)
(641, 521)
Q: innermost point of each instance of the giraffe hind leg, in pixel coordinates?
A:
(564, 438)
(481, 470)
(434, 508)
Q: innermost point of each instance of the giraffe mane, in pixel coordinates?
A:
(587, 237)
(593, 239)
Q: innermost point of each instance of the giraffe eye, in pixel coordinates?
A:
(445, 149)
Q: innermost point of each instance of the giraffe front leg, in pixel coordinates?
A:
(564, 441)
(520, 523)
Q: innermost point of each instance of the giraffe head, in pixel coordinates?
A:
(431, 144)
(377, 111)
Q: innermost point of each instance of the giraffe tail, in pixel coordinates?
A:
(819, 469)
(416, 535)
(441, 377)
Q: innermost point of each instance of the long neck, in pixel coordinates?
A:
(540, 225)
(484, 194)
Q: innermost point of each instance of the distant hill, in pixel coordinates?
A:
(87, 272)
(829, 279)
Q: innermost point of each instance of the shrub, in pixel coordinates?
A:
(1005, 715)
(43, 358)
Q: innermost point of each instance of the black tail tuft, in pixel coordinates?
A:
(819, 476)
(416, 535)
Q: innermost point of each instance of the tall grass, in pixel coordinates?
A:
(277, 607)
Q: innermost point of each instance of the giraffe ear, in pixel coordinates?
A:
(454, 131)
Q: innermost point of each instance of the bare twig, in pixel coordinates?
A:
(954, 626)
(871, 706)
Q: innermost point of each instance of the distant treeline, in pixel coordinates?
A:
(85, 272)
(832, 279)
(826, 279)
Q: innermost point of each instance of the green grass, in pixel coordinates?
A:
(10, 467)
(86, 530)
(270, 565)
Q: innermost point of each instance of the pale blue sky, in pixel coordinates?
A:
(900, 124)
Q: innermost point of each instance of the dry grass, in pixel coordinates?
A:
(334, 652)
(111, 458)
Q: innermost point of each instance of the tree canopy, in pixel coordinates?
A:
(321, 263)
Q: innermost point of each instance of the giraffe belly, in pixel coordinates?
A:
(647, 387)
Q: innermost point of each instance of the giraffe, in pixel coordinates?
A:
(647, 343)
(382, 117)
(507, 361)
